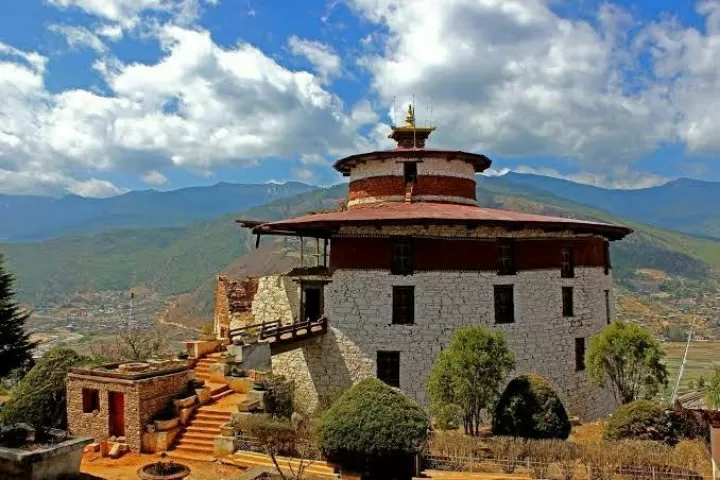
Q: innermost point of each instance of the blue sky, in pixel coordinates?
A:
(104, 96)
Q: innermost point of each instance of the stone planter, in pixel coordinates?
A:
(239, 384)
(185, 402)
(54, 462)
(150, 471)
(203, 395)
(165, 425)
(227, 430)
(208, 337)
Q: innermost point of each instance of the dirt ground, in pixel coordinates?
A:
(94, 467)
(588, 433)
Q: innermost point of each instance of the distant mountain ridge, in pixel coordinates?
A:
(34, 218)
(685, 205)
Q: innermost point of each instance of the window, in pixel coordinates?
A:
(91, 400)
(504, 304)
(579, 354)
(607, 307)
(506, 258)
(567, 268)
(606, 257)
(388, 368)
(403, 312)
(402, 257)
(410, 171)
(567, 301)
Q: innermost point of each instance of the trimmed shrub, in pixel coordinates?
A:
(40, 398)
(641, 420)
(375, 429)
(530, 408)
(279, 395)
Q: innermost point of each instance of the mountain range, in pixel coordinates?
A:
(33, 218)
(183, 257)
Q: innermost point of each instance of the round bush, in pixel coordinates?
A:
(372, 427)
(530, 408)
(641, 420)
(40, 398)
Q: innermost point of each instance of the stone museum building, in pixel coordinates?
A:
(410, 258)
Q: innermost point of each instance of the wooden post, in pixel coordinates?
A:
(317, 251)
(302, 252)
(325, 258)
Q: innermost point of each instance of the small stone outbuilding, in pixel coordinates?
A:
(119, 400)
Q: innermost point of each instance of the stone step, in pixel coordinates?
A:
(196, 442)
(199, 435)
(203, 430)
(205, 417)
(192, 456)
(222, 394)
(208, 423)
(317, 467)
(193, 450)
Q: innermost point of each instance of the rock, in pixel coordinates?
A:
(93, 447)
(115, 451)
(112, 439)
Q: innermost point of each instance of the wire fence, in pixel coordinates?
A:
(567, 470)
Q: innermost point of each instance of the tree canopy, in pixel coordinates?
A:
(628, 359)
(712, 392)
(469, 375)
(15, 345)
(373, 426)
(40, 398)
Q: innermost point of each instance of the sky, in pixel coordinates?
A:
(99, 97)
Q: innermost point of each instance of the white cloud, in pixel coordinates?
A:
(303, 174)
(199, 107)
(511, 77)
(127, 12)
(112, 32)
(95, 188)
(323, 58)
(620, 177)
(40, 182)
(313, 159)
(78, 37)
(154, 177)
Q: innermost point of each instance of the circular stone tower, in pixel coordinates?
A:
(413, 258)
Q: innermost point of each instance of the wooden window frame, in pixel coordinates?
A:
(402, 257)
(567, 262)
(579, 354)
(504, 309)
(90, 400)
(403, 306)
(568, 302)
(506, 257)
(387, 360)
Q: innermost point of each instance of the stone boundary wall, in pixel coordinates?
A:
(359, 309)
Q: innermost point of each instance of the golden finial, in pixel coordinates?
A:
(410, 119)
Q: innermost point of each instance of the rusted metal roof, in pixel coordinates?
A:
(480, 162)
(395, 213)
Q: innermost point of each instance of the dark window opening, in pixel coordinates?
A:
(403, 312)
(607, 307)
(504, 304)
(606, 247)
(579, 354)
(388, 368)
(506, 258)
(567, 266)
(91, 400)
(312, 302)
(567, 301)
(402, 257)
(410, 171)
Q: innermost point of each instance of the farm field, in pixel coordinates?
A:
(703, 357)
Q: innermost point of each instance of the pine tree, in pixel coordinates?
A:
(15, 345)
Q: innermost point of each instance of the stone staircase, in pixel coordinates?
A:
(196, 441)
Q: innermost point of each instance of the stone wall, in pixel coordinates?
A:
(359, 308)
(272, 300)
(233, 303)
(143, 400)
(426, 166)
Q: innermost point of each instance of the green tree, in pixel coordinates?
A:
(375, 429)
(701, 382)
(641, 420)
(469, 375)
(628, 359)
(15, 345)
(40, 399)
(712, 393)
